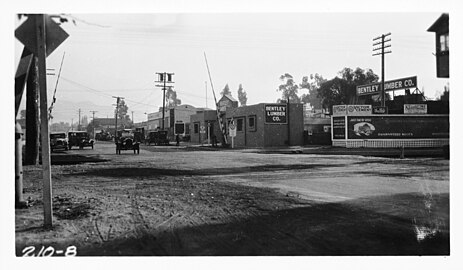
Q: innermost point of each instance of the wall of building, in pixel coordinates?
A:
(277, 135)
(265, 134)
(202, 118)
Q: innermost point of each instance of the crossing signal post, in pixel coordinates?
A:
(382, 42)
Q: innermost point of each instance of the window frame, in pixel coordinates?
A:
(252, 128)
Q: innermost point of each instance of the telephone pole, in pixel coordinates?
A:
(133, 122)
(380, 51)
(78, 127)
(164, 78)
(93, 122)
(118, 99)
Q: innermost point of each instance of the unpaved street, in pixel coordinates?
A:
(197, 201)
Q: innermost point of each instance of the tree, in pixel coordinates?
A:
(122, 116)
(242, 96)
(172, 99)
(226, 90)
(342, 90)
(312, 86)
(288, 89)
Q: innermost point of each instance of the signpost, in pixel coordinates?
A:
(41, 35)
(374, 88)
(232, 132)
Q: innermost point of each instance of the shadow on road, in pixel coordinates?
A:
(143, 171)
(348, 228)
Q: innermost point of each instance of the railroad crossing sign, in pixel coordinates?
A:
(54, 35)
(202, 129)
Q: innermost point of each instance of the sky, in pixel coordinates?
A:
(118, 54)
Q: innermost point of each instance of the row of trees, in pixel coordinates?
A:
(242, 96)
(321, 93)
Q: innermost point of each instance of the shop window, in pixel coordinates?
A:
(252, 123)
(196, 128)
(239, 124)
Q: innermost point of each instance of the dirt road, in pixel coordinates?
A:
(181, 201)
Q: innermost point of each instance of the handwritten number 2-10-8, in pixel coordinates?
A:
(70, 251)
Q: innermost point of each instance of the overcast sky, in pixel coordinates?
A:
(118, 54)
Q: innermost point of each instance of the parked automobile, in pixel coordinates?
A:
(58, 141)
(126, 140)
(80, 139)
(158, 137)
(103, 136)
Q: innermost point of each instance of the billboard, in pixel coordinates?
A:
(397, 127)
(339, 109)
(374, 88)
(275, 113)
(339, 127)
(415, 108)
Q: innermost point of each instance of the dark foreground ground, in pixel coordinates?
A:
(136, 205)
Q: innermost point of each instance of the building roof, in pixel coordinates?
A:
(443, 21)
(230, 98)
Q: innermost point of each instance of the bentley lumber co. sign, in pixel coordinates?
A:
(375, 88)
(275, 113)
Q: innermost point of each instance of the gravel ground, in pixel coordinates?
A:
(171, 201)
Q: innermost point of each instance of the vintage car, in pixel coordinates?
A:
(157, 137)
(103, 136)
(58, 141)
(80, 139)
(126, 140)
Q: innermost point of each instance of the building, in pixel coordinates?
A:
(227, 101)
(204, 127)
(266, 125)
(441, 28)
(172, 116)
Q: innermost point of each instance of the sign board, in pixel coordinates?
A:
(232, 130)
(339, 110)
(275, 113)
(415, 108)
(202, 129)
(358, 109)
(26, 34)
(380, 110)
(397, 127)
(375, 88)
(339, 127)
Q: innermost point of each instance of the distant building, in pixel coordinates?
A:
(172, 116)
(227, 101)
(441, 28)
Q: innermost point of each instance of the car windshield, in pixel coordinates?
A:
(58, 136)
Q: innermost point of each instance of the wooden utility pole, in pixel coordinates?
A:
(93, 122)
(164, 78)
(382, 44)
(78, 127)
(118, 99)
(42, 78)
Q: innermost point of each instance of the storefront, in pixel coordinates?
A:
(267, 125)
